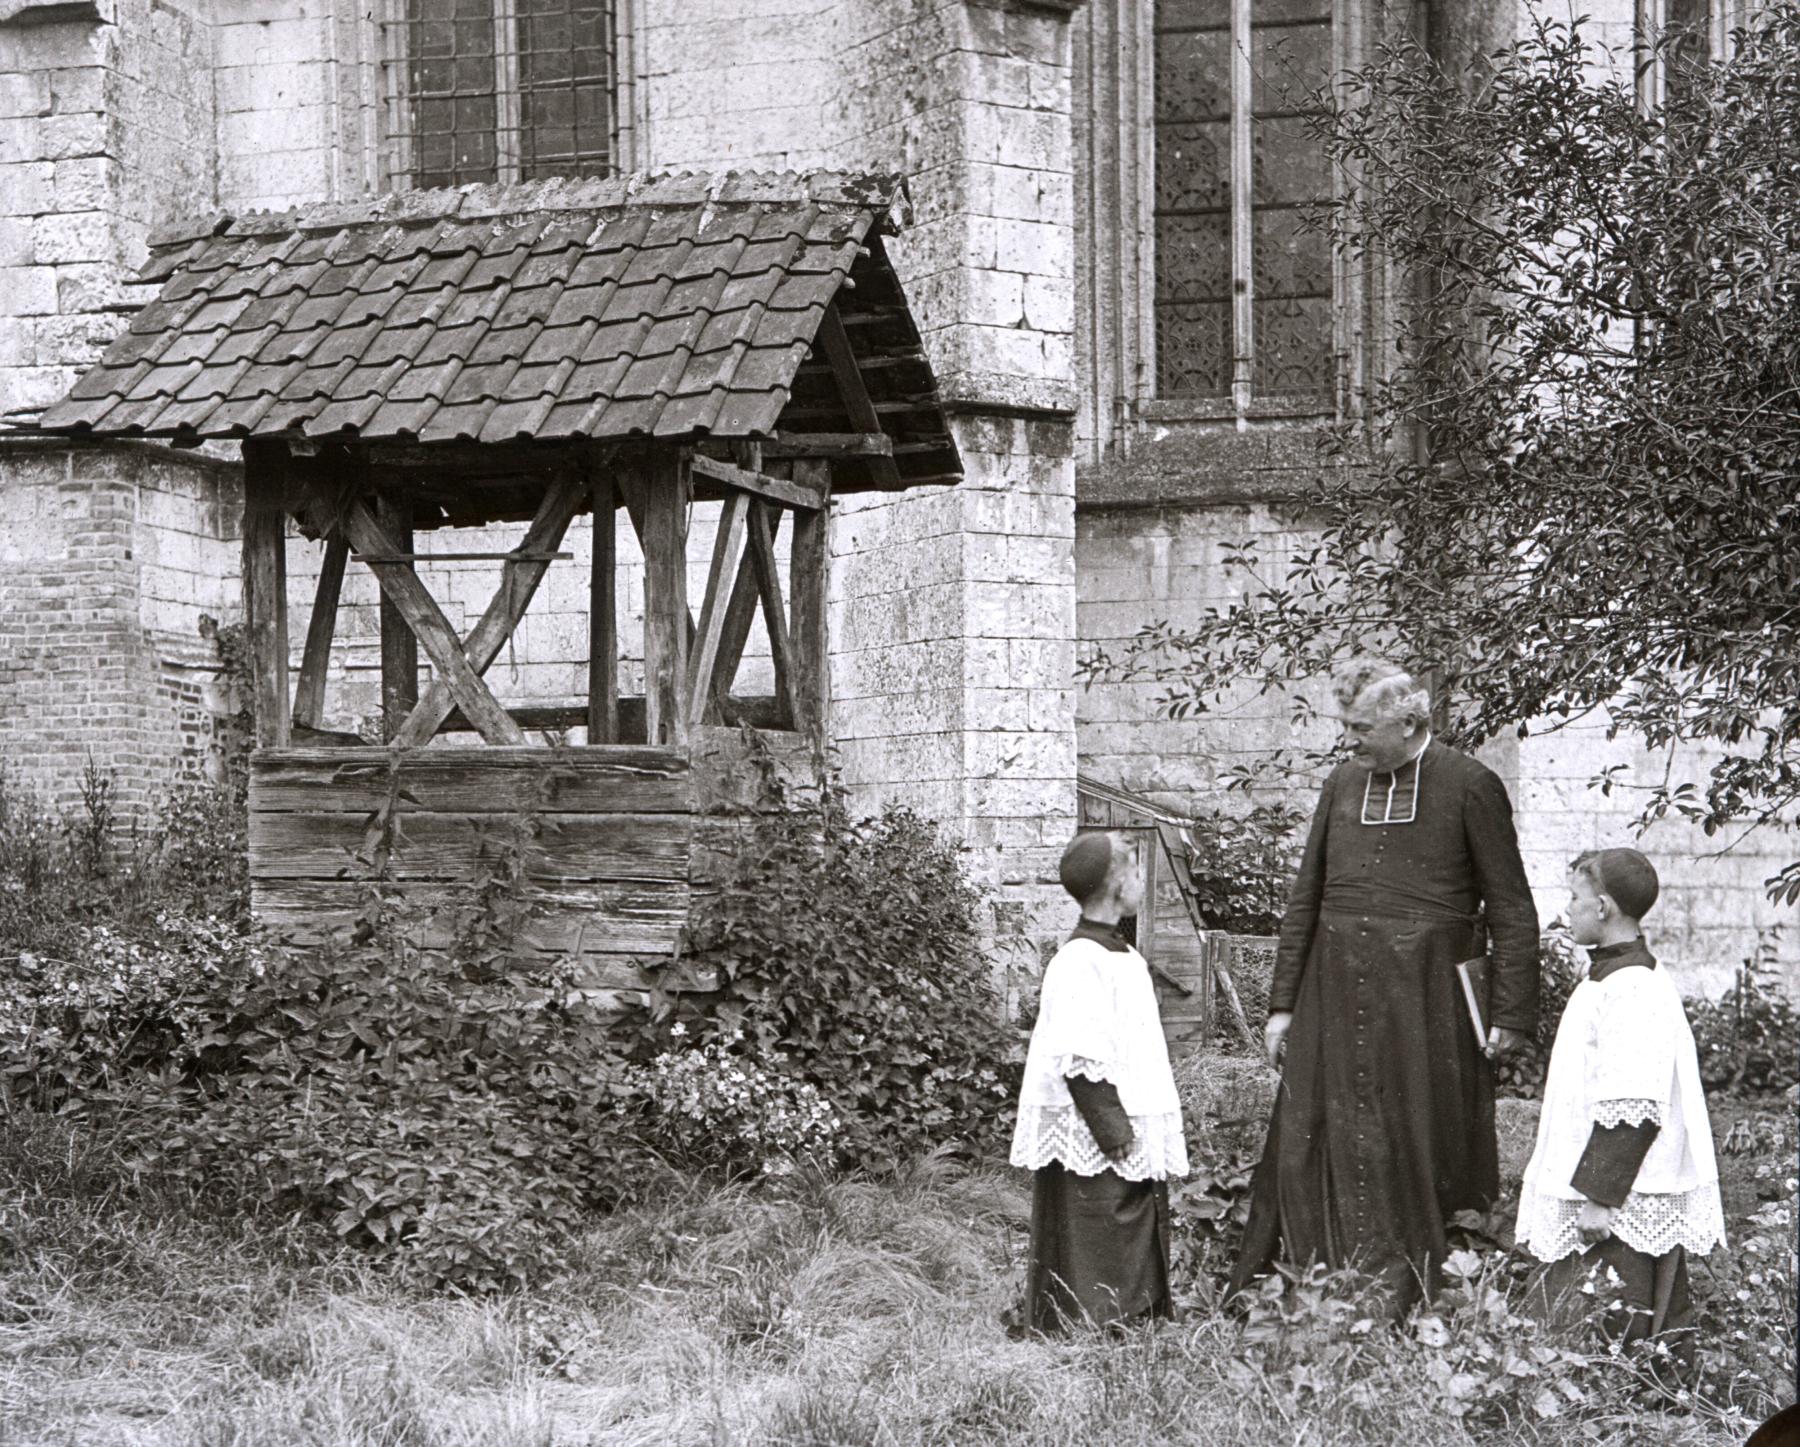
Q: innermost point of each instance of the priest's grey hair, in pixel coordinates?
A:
(1386, 687)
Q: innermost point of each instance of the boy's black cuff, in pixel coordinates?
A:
(1611, 1161)
(1098, 1102)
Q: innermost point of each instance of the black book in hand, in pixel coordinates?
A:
(1476, 977)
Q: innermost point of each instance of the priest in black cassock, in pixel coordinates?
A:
(1384, 1120)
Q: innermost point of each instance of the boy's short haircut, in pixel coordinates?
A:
(1086, 863)
(1624, 874)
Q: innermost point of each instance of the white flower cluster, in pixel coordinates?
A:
(759, 1106)
(116, 981)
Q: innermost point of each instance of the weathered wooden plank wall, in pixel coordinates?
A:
(1167, 936)
(619, 837)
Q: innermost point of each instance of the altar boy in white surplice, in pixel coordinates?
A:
(1623, 1183)
(1099, 1121)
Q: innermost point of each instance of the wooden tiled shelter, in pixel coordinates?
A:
(446, 359)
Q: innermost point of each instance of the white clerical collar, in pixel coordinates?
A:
(1391, 809)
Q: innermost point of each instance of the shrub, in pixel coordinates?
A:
(60, 874)
(851, 952)
(1242, 866)
(452, 1117)
(1209, 1209)
(112, 938)
(120, 1002)
(1749, 1039)
(459, 1126)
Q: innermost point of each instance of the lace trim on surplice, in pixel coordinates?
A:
(1649, 1223)
(1057, 1133)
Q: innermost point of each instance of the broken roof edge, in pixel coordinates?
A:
(883, 193)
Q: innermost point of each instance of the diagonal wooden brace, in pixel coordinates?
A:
(519, 581)
(460, 682)
(728, 550)
(768, 587)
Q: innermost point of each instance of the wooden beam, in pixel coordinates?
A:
(265, 588)
(419, 611)
(491, 459)
(742, 611)
(309, 693)
(768, 587)
(515, 556)
(854, 394)
(518, 585)
(829, 444)
(728, 551)
(399, 646)
(778, 489)
(603, 614)
(762, 711)
(666, 618)
(809, 572)
(631, 493)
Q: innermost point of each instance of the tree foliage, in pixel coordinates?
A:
(1575, 488)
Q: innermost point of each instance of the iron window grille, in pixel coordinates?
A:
(501, 90)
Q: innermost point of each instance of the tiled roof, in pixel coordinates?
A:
(627, 307)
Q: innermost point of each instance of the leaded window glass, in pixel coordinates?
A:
(501, 90)
(1243, 285)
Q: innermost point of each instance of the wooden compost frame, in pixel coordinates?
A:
(622, 838)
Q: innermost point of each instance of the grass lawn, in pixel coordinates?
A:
(799, 1311)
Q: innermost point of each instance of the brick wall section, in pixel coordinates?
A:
(105, 130)
(108, 560)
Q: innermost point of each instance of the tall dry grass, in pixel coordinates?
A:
(805, 1312)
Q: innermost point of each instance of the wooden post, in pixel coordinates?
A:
(418, 610)
(809, 575)
(399, 649)
(1151, 844)
(603, 616)
(666, 618)
(309, 693)
(265, 587)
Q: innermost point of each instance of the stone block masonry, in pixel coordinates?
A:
(105, 130)
(953, 663)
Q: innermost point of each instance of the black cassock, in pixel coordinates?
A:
(1384, 1121)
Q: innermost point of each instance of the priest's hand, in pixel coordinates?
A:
(1503, 1043)
(1593, 1222)
(1275, 1036)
